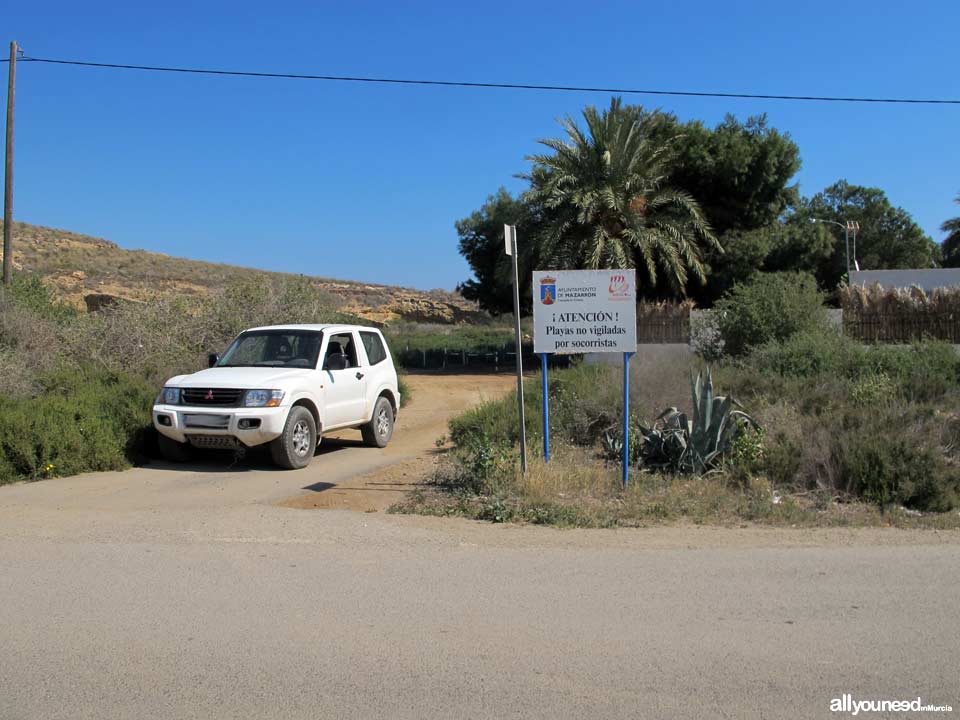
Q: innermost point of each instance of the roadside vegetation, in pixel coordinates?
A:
(823, 431)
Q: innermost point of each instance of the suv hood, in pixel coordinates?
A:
(246, 378)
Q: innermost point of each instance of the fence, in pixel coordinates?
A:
(902, 328)
(670, 325)
(493, 358)
(667, 329)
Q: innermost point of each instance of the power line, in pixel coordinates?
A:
(497, 85)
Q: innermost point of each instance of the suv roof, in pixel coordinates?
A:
(328, 326)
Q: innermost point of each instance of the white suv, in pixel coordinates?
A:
(285, 385)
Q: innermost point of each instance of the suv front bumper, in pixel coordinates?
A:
(249, 426)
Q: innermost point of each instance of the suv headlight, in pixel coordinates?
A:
(262, 398)
(169, 396)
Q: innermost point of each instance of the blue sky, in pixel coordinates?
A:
(365, 182)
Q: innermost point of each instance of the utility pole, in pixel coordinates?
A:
(8, 169)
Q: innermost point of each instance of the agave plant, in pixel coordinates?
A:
(683, 444)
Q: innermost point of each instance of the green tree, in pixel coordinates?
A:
(605, 202)
(738, 172)
(769, 307)
(951, 243)
(481, 244)
(782, 246)
(888, 237)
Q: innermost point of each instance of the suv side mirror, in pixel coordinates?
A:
(335, 361)
(212, 359)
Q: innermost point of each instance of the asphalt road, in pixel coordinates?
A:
(166, 593)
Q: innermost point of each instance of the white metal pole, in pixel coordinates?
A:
(846, 238)
(519, 349)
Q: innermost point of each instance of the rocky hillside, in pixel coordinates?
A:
(88, 272)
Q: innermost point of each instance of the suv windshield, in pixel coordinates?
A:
(274, 348)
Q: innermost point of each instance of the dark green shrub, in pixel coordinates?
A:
(770, 306)
(584, 403)
(885, 470)
(495, 420)
(809, 353)
(886, 453)
(82, 421)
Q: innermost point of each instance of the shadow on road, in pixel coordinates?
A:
(251, 459)
(367, 487)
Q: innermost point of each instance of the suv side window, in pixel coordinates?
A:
(374, 347)
(343, 343)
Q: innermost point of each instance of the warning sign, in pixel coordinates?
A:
(580, 311)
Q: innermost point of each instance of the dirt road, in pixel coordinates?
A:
(413, 450)
(171, 593)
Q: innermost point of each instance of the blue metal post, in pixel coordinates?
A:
(546, 408)
(626, 418)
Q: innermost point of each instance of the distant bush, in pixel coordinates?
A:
(923, 371)
(30, 293)
(163, 338)
(469, 338)
(770, 306)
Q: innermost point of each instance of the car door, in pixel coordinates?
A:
(345, 388)
(379, 369)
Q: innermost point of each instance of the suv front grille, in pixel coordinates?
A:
(219, 397)
(213, 442)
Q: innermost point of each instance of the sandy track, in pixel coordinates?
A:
(436, 398)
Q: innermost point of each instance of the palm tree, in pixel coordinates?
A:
(951, 243)
(604, 202)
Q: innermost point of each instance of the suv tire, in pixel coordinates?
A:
(173, 451)
(295, 447)
(379, 430)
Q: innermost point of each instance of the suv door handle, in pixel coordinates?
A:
(359, 375)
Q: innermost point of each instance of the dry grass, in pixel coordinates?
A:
(574, 490)
(877, 300)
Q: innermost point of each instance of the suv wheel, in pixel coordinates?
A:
(295, 447)
(173, 451)
(379, 430)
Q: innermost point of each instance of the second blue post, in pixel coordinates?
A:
(626, 418)
(546, 408)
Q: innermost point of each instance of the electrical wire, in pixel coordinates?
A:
(497, 85)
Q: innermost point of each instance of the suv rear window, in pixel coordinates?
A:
(374, 347)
